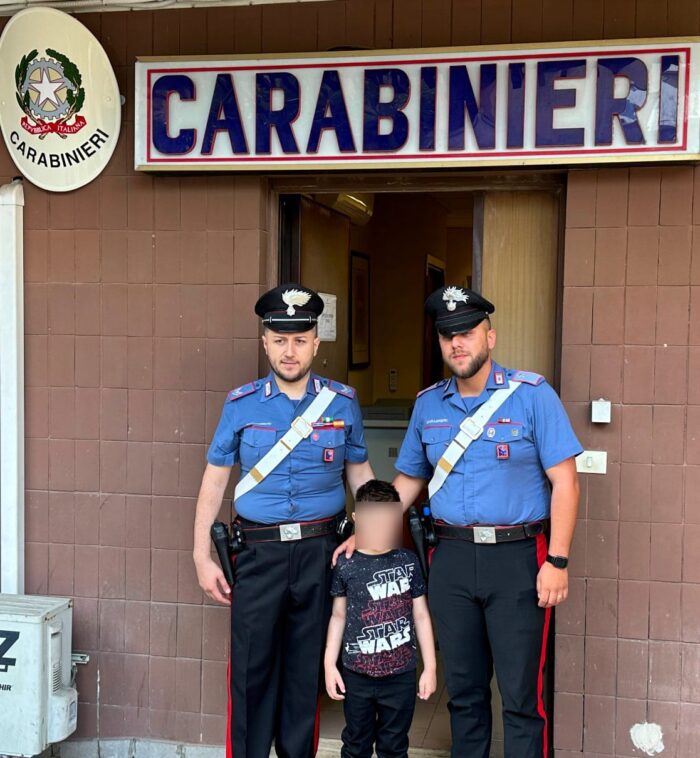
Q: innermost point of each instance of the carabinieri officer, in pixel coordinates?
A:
(498, 449)
(294, 434)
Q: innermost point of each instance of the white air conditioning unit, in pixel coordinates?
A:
(38, 702)
(358, 206)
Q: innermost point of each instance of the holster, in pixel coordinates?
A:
(423, 535)
(227, 544)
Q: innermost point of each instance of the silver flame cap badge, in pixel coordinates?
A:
(454, 295)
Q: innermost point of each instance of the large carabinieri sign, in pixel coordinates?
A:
(60, 109)
(580, 102)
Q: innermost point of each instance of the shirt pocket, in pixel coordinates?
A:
(503, 432)
(327, 446)
(256, 442)
(435, 439)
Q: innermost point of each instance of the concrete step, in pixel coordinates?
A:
(331, 749)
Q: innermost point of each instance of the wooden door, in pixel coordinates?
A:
(519, 275)
(324, 253)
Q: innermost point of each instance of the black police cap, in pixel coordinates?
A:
(456, 309)
(289, 308)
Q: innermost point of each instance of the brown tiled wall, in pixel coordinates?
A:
(138, 300)
(138, 319)
(627, 640)
(139, 293)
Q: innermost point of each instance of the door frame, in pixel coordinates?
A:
(445, 180)
(438, 181)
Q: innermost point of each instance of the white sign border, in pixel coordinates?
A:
(301, 164)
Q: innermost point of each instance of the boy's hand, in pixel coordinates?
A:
(335, 687)
(347, 547)
(427, 684)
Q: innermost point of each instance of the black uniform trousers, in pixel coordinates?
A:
(280, 608)
(484, 602)
(378, 712)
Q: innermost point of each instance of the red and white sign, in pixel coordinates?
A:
(576, 102)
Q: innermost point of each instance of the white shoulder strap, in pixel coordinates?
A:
(469, 430)
(300, 429)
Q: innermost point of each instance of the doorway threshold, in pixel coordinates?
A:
(331, 749)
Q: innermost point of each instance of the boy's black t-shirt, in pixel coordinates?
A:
(379, 638)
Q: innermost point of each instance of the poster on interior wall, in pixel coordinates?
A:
(577, 102)
(328, 320)
(60, 108)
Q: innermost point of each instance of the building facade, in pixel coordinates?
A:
(139, 293)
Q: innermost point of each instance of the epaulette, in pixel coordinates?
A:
(240, 392)
(441, 383)
(341, 389)
(527, 377)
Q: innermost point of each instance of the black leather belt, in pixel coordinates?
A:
(483, 534)
(290, 532)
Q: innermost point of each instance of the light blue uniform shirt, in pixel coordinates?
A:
(501, 478)
(308, 484)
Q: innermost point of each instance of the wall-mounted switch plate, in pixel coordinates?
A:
(601, 411)
(592, 462)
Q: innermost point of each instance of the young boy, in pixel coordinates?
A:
(379, 609)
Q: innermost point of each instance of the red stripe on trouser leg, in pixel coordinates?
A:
(431, 550)
(229, 750)
(541, 557)
(317, 724)
(229, 746)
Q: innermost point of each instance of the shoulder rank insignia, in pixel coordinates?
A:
(240, 392)
(441, 383)
(341, 389)
(527, 377)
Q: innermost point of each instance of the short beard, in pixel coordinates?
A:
(298, 377)
(474, 367)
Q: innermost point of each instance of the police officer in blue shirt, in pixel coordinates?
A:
(498, 451)
(295, 436)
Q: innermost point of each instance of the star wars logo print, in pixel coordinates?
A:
(390, 582)
(382, 637)
(8, 638)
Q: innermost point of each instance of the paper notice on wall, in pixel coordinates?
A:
(327, 320)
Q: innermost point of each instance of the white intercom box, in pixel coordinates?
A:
(38, 702)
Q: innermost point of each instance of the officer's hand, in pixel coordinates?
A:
(335, 687)
(212, 580)
(427, 684)
(552, 586)
(347, 547)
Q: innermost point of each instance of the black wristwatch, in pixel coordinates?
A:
(558, 561)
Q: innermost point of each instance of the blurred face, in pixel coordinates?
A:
(467, 352)
(290, 354)
(378, 526)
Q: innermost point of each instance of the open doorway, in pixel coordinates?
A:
(374, 257)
